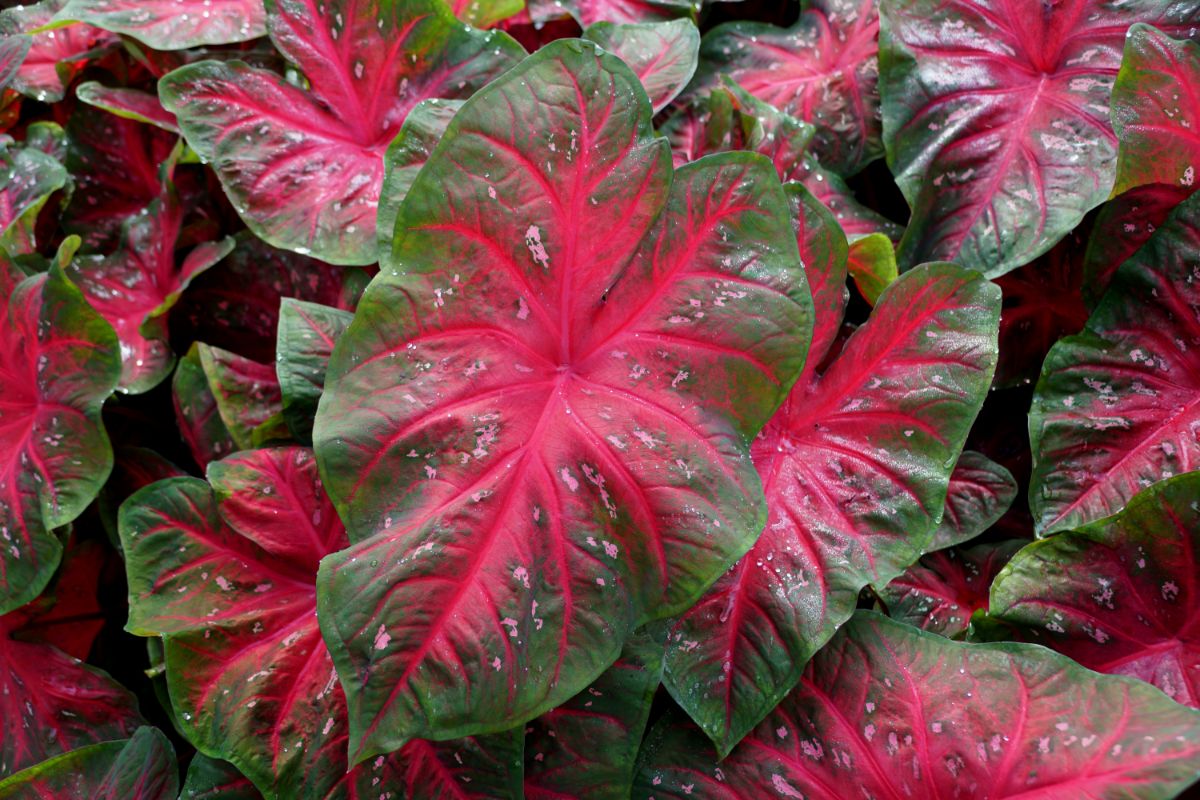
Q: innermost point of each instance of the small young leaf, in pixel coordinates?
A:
(246, 392)
(307, 334)
(872, 265)
(980, 492)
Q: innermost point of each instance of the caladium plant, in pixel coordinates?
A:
(387, 413)
(536, 396)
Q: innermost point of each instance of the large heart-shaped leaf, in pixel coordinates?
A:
(139, 768)
(586, 747)
(822, 70)
(1119, 595)
(889, 711)
(855, 467)
(227, 576)
(980, 492)
(58, 363)
(50, 702)
(1118, 406)
(942, 591)
(136, 286)
(307, 334)
(55, 56)
(304, 168)
(662, 54)
(998, 133)
(173, 24)
(536, 425)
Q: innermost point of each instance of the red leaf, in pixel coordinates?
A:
(173, 24)
(55, 56)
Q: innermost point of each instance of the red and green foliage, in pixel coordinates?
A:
(599, 399)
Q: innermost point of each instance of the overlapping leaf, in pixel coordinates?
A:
(889, 711)
(307, 334)
(55, 56)
(822, 70)
(942, 591)
(246, 392)
(173, 24)
(1119, 595)
(58, 363)
(1118, 406)
(536, 425)
(871, 262)
(212, 779)
(28, 176)
(131, 104)
(304, 168)
(227, 576)
(980, 492)
(136, 286)
(855, 467)
(662, 54)
(139, 768)
(590, 12)
(196, 411)
(586, 747)
(996, 120)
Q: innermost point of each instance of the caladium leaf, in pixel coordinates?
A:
(235, 305)
(872, 264)
(136, 286)
(117, 166)
(1043, 301)
(1122, 226)
(999, 135)
(304, 168)
(1116, 407)
(980, 492)
(889, 711)
(246, 392)
(139, 768)
(486, 13)
(535, 426)
(131, 104)
(196, 411)
(247, 552)
(586, 748)
(1156, 111)
(822, 70)
(58, 363)
(473, 768)
(55, 56)
(213, 779)
(1118, 595)
(28, 177)
(942, 591)
(50, 702)
(729, 118)
(662, 54)
(307, 334)
(855, 467)
(173, 24)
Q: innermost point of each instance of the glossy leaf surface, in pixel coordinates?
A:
(822, 70)
(213, 779)
(980, 492)
(895, 712)
(173, 24)
(139, 768)
(536, 425)
(307, 334)
(1119, 595)
(136, 286)
(304, 169)
(55, 56)
(586, 747)
(872, 264)
(940, 592)
(58, 363)
(662, 54)
(131, 104)
(996, 120)
(196, 411)
(590, 12)
(855, 467)
(246, 392)
(28, 177)
(1117, 406)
